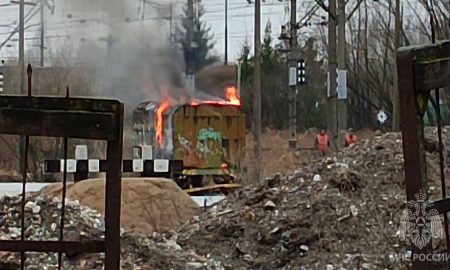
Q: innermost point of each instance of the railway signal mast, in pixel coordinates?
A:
(2, 77)
(301, 72)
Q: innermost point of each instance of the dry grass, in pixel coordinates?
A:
(278, 157)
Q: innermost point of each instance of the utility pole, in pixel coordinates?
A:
(190, 69)
(257, 94)
(342, 87)
(2, 77)
(226, 32)
(292, 92)
(171, 38)
(22, 82)
(22, 4)
(448, 9)
(239, 71)
(42, 33)
(22, 45)
(110, 40)
(396, 99)
(109, 88)
(332, 94)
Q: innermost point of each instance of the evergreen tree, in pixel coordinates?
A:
(272, 81)
(267, 49)
(203, 39)
(274, 86)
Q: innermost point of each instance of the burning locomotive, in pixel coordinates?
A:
(203, 140)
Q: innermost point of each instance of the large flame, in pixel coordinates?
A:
(232, 95)
(160, 122)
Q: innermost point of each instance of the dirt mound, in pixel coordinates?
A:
(147, 204)
(10, 176)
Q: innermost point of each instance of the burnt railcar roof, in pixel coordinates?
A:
(152, 105)
(144, 105)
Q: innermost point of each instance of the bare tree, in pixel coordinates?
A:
(376, 31)
(46, 81)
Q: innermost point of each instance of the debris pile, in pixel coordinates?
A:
(148, 204)
(343, 211)
(382, 156)
(298, 222)
(42, 222)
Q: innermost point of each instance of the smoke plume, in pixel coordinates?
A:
(133, 59)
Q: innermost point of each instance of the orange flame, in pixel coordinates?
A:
(159, 122)
(232, 95)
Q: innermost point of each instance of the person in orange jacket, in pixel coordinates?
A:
(350, 138)
(322, 142)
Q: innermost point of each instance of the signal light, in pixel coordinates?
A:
(301, 72)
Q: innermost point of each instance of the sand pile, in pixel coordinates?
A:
(10, 176)
(148, 204)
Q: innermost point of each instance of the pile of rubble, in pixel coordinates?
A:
(382, 155)
(42, 222)
(341, 213)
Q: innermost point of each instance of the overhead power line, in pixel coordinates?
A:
(28, 17)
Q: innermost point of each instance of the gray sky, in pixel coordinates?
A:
(65, 27)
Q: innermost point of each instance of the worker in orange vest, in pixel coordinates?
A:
(350, 138)
(322, 142)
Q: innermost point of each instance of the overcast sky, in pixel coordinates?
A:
(64, 25)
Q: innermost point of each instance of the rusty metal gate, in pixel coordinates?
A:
(66, 117)
(420, 70)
